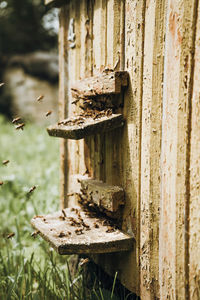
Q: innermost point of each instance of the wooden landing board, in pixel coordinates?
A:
(107, 196)
(88, 126)
(77, 232)
(105, 83)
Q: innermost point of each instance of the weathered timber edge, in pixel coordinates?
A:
(77, 132)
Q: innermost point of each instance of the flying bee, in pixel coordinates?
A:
(1, 84)
(79, 231)
(5, 162)
(84, 262)
(35, 233)
(10, 235)
(20, 126)
(48, 113)
(1, 182)
(16, 120)
(40, 98)
(31, 189)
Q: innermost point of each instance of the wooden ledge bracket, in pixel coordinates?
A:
(106, 83)
(73, 231)
(79, 130)
(105, 196)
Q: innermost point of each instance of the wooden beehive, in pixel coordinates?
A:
(155, 156)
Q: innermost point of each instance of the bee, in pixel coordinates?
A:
(5, 162)
(60, 123)
(40, 98)
(48, 113)
(10, 235)
(86, 226)
(20, 126)
(1, 84)
(110, 229)
(61, 234)
(79, 231)
(16, 120)
(35, 233)
(84, 262)
(108, 112)
(35, 217)
(75, 101)
(32, 189)
(96, 225)
(105, 223)
(1, 182)
(64, 213)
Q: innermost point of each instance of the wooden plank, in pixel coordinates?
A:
(151, 149)
(63, 98)
(174, 257)
(89, 126)
(105, 196)
(105, 83)
(122, 151)
(194, 220)
(72, 231)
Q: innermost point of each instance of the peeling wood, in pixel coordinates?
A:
(105, 83)
(103, 195)
(72, 231)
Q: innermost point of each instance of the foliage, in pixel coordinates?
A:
(29, 267)
(22, 29)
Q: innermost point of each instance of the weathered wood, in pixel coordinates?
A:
(174, 218)
(194, 219)
(63, 98)
(151, 148)
(88, 127)
(73, 231)
(105, 83)
(103, 195)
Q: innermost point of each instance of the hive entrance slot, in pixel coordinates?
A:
(74, 231)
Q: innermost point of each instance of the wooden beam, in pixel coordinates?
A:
(87, 127)
(105, 83)
(106, 196)
(72, 231)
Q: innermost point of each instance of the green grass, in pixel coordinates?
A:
(29, 267)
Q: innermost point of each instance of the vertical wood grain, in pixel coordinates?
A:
(151, 148)
(63, 100)
(194, 213)
(174, 166)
